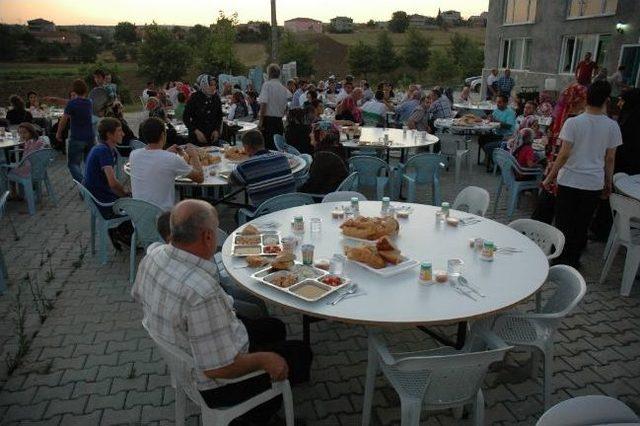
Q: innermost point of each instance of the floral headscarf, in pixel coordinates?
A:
(545, 108)
(523, 137)
(326, 134)
(202, 81)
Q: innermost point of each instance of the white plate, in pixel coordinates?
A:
(391, 270)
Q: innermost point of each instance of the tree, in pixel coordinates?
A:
(216, 49)
(161, 57)
(291, 49)
(386, 58)
(442, 68)
(87, 50)
(362, 58)
(416, 50)
(371, 23)
(467, 55)
(120, 52)
(125, 32)
(399, 22)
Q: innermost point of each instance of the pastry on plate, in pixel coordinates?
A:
(256, 261)
(367, 255)
(250, 230)
(283, 261)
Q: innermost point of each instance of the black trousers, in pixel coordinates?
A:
(546, 208)
(265, 335)
(271, 126)
(574, 210)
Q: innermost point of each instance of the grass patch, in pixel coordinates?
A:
(438, 37)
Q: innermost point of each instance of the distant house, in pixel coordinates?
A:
(422, 22)
(62, 37)
(303, 25)
(451, 17)
(478, 20)
(342, 24)
(41, 25)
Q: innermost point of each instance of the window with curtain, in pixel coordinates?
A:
(592, 8)
(516, 53)
(574, 47)
(520, 11)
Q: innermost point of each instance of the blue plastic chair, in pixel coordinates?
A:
(303, 175)
(277, 203)
(509, 169)
(136, 144)
(98, 222)
(143, 215)
(420, 169)
(4, 274)
(31, 184)
(350, 183)
(372, 172)
(283, 146)
(371, 119)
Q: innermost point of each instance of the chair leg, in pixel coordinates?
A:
(370, 385)
(410, 412)
(132, 258)
(548, 374)
(457, 166)
(29, 195)
(513, 201)
(288, 405)
(631, 263)
(50, 190)
(4, 274)
(498, 193)
(411, 191)
(610, 240)
(93, 235)
(436, 193)
(181, 403)
(613, 251)
(478, 409)
(103, 236)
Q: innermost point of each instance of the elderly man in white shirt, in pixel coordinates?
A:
(273, 101)
(184, 305)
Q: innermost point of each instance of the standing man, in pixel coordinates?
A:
(273, 105)
(79, 111)
(491, 84)
(505, 84)
(583, 170)
(585, 70)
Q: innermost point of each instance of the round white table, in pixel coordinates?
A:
(373, 137)
(8, 143)
(629, 186)
(480, 128)
(476, 106)
(402, 300)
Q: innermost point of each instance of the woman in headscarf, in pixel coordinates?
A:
(523, 151)
(297, 132)
(545, 107)
(571, 103)
(328, 169)
(203, 112)
(530, 122)
(348, 110)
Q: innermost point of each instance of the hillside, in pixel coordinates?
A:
(440, 38)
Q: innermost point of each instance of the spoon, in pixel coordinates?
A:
(352, 289)
(462, 280)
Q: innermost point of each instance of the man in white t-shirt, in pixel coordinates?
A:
(153, 170)
(491, 79)
(584, 170)
(273, 105)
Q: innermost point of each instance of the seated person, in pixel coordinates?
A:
(252, 101)
(155, 108)
(33, 102)
(440, 106)
(314, 102)
(297, 131)
(154, 170)
(183, 304)
(348, 110)
(328, 169)
(524, 152)
(419, 119)
(406, 108)
(265, 174)
(465, 94)
(18, 113)
(504, 115)
(100, 176)
(374, 111)
(528, 110)
(32, 142)
(239, 109)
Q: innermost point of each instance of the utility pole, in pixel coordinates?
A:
(274, 33)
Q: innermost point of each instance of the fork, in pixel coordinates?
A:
(459, 289)
(350, 290)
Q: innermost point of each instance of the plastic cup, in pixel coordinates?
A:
(307, 254)
(454, 267)
(336, 265)
(315, 224)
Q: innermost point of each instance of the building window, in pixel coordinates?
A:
(574, 48)
(516, 53)
(520, 11)
(592, 8)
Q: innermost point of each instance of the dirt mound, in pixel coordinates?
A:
(330, 57)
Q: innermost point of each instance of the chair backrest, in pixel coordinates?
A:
(624, 209)
(39, 160)
(136, 144)
(372, 119)
(343, 196)
(507, 164)
(291, 150)
(472, 199)
(618, 176)
(368, 168)
(308, 159)
(279, 142)
(3, 203)
(449, 143)
(221, 237)
(548, 238)
(589, 410)
(453, 377)
(350, 183)
(89, 200)
(570, 288)
(144, 216)
(427, 167)
(284, 201)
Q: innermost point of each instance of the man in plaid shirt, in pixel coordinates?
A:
(185, 306)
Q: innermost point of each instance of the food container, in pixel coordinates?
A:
(426, 273)
(386, 204)
(337, 213)
(263, 244)
(298, 224)
(289, 244)
(355, 206)
(488, 250)
(478, 244)
(307, 254)
(445, 209)
(323, 264)
(453, 221)
(441, 277)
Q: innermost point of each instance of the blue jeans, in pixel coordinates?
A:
(77, 149)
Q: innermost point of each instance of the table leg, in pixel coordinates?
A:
(460, 336)
(306, 330)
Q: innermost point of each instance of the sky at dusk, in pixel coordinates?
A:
(191, 12)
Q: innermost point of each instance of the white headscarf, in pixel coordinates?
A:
(202, 81)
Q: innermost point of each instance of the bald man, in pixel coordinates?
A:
(184, 304)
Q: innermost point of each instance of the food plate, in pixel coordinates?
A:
(302, 281)
(390, 270)
(267, 243)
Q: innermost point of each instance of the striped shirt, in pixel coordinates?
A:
(265, 175)
(184, 305)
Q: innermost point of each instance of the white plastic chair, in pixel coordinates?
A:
(181, 366)
(624, 210)
(548, 238)
(339, 196)
(438, 378)
(589, 410)
(473, 199)
(450, 147)
(536, 330)
(612, 233)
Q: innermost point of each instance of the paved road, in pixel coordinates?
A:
(90, 361)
